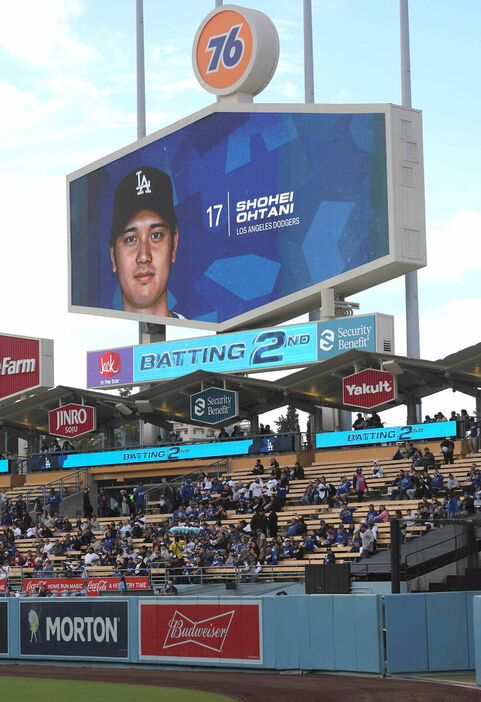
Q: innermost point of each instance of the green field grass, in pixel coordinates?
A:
(44, 690)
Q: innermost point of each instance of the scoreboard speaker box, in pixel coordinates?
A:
(329, 579)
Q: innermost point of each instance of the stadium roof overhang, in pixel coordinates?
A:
(317, 385)
(416, 378)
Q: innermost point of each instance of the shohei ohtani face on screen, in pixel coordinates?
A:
(142, 256)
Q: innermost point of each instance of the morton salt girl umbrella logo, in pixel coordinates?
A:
(33, 625)
(208, 633)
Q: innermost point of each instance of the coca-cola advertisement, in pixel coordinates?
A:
(191, 631)
(54, 584)
(97, 585)
(3, 585)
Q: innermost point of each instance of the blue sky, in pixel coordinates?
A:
(67, 91)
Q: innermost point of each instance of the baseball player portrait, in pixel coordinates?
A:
(144, 239)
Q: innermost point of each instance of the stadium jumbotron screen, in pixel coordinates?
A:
(231, 217)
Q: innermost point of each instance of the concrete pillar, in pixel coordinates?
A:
(254, 422)
(412, 408)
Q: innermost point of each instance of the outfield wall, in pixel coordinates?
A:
(424, 632)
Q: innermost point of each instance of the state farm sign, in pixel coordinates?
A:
(190, 631)
(25, 364)
(71, 420)
(369, 388)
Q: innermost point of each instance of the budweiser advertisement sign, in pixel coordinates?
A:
(25, 365)
(189, 631)
(96, 585)
(54, 584)
(71, 420)
(369, 388)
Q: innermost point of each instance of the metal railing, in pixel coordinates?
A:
(66, 486)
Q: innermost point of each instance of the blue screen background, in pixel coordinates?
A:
(334, 163)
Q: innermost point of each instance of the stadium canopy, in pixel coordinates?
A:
(416, 378)
(318, 385)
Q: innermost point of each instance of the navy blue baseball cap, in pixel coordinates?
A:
(146, 188)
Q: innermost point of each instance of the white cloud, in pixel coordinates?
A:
(454, 247)
(45, 38)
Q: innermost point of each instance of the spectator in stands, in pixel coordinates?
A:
(400, 454)
(377, 470)
(451, 505)
(346, 515)
(102, 503)
(255, 488)
(371, 512)
(343, 491)
(376, 421)
(223, 434)
(395, 488)
(437, 482)
(251, 571)
(67, 447)
(467, 508)
(359, 484)
(447, 449)
(417, 459)
(359, 422)
(465, 419)
(452, 483)
(186, 492)
(309, 494)
(330, 557)
(428, 419)
(87, 506)
(139, 499)
(428, 458)
(383, 515)
(170, 590)
(367, 541)
(297, 472)
(56, 446)
(439, 417)
(473, 437)
(258, 468)
(53, 501)
(236, 432)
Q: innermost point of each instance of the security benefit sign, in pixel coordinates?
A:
(229, 219)
(3, 627)
(214, 405)
(189, 631)
(369, 388)
(72, 420)
(74, 628)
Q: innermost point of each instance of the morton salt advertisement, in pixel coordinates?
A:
(188, 631)
(74, 628)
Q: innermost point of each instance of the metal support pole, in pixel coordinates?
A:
(395, 557)
(411, 279)
(308, 54)
(139, 25)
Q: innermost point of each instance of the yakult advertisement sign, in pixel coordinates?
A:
(369, 388)
(190, 631)
(71, 420)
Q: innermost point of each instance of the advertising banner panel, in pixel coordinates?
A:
(264, 444)
(253, 351)
(369, 388)
(183, 630)
(227, 195)
(74, 628)
(25, 364)
(4, 465)
(214, 405)
(71, 420)
(409, 432)
(3, 627)
(3, 585)
(96, 585)
(54, 584)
